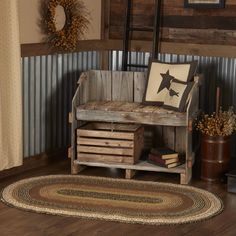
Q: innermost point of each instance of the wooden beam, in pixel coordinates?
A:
(138, 46)
(199, 49)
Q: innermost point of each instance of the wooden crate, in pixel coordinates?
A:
(109, 143)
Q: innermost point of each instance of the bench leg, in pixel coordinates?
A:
(185, 178)
(75, 169)
(129, 174)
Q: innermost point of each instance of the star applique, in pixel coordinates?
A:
(166, 81)
(173, 93)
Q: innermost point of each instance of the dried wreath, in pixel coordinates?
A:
(76, 24)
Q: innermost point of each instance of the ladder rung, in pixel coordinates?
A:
(146, 29)
(136, 65)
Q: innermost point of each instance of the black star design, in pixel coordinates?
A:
(166, 80)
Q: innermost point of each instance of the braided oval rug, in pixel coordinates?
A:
(128, 201)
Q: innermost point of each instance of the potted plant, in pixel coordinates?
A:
(216, 130)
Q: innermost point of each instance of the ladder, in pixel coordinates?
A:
(128, 29)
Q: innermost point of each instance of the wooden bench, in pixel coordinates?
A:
(109, 96)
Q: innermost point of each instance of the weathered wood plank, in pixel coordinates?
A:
(75, 168)
(105, 134)
(122, 86)
(100, 85)
(105, 150)
(128, 107)
(184, 35)
(135, 113)
(170, 8)
(190, 48)
(177, 21)
(116, 127)
(192, 109)
(180, 140)
(84, 93)
(112, 127)
(142, 165)
(224, 37)
(175, 17)
(105, 142)
(95, 105)
(132, 117)
(96, 158)
(140, 80)
(138, 144)
(111, 106)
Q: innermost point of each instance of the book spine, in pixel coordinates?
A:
(156, 159)
(156, 163)
(164, 153)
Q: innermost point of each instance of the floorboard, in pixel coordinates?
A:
(16, 222)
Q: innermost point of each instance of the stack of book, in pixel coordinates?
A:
(164, 157)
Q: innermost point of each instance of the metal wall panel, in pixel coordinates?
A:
(49, 83)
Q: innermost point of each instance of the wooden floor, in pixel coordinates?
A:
(14, 222)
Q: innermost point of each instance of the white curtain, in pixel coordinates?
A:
(11, 154)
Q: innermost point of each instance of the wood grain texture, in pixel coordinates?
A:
(105, 134)
(87, 159)
(105, 142)
(190, 48)
(142, 165)
(133, 113)
(140, 80)
(180, 140)
(179, 24)
(122, 86)
(109, 143)
(100, 85)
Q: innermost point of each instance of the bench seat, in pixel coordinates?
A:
(129, 112)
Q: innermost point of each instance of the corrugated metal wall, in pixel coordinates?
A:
(49, 83)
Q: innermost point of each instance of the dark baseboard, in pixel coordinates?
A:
(37, 161)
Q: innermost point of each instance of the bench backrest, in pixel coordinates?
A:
(101, 85)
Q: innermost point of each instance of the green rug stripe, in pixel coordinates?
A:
(109, 196)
